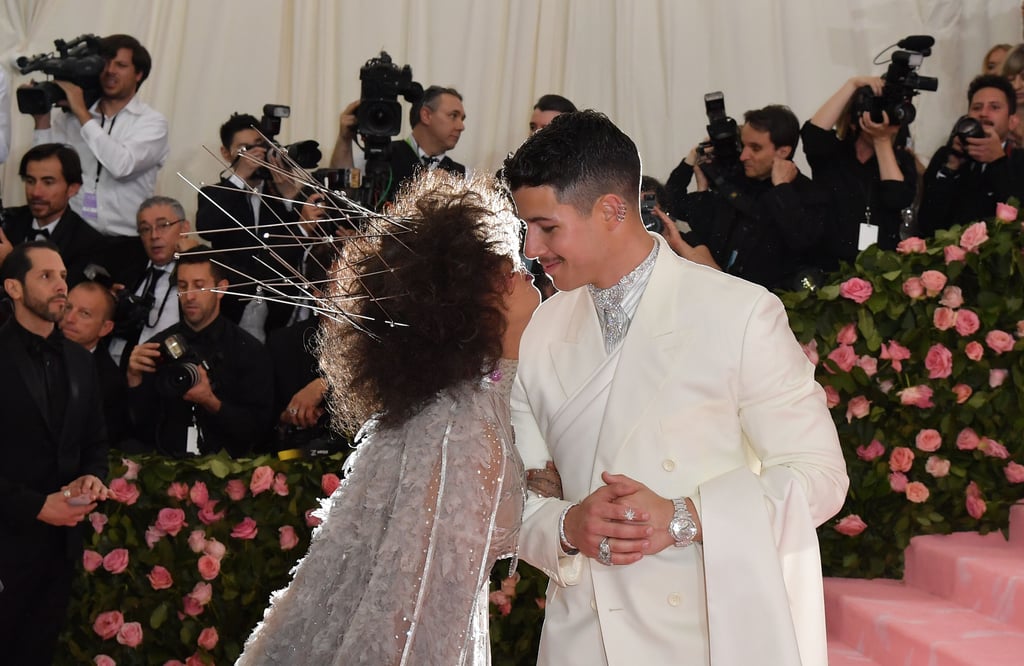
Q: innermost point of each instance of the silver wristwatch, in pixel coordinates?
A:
(682, 526)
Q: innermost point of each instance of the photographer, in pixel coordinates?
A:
(122, 143)
(976, 169)
(870, 180)
(756, 225)
(219, 393)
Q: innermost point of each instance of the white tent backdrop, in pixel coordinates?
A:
(646, 63)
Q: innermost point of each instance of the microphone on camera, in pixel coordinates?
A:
(919, 43)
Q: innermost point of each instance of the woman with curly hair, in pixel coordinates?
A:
(424, 358)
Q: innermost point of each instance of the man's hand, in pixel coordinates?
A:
(202, 393)
(142, 360)
(598, 516)
(660, 510)
(86, 484)
(75, 101)
(284, 182)
(248, 160)
(5, 247)
(58, 512)
(986, 150)
(545, 482)
(783, 171)
(304, 409)
(879, 132)
(348, 121)
(876, 83)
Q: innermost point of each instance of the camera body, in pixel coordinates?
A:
(131, 312)
(902, 83)
(78, 61)
(722, 162)
(380, 115)
(304, 153)
(179, 368)
(966, 128)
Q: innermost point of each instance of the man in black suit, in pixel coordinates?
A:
(437, 121)
(54, 450)
(52, 174)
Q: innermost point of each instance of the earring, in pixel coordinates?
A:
(621, 215)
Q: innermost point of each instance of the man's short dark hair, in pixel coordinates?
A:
(993, 81)
(779, 121)
(580, 155)
(110, 45)
(235, 124)
(70, 164)
(200, 255)
(18, 263)
(430, 100)
(555, 103)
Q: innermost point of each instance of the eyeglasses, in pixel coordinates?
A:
(160, 228)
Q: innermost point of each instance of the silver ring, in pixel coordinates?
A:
(630, 513)
(293, 411)
(604, 552)
(67, 493)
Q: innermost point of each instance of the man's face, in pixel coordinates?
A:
(569, 246)
(759, 153)
(46, 190)
(85, 320)
(44, 294)
(445, 124)
(198, 307)
(159, 229)
(989, 106)
(120, 78)
(541, 119)
(246, 141)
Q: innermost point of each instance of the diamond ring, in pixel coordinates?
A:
(630, 513)
(604, 552)
(293, 411)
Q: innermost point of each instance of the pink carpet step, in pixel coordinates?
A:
(841, 654)
(893, 623)
(982, 573)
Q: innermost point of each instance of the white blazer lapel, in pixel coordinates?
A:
(581, 349)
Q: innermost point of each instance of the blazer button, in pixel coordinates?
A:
(675, 599)
(668, 465)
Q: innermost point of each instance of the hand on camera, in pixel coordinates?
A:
(248, 159)
(879, 132)
(75, 101)
(348, 121)
(202, 393)
(876, 83)
(986, 150)
(142, 360)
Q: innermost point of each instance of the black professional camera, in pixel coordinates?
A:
(902, 82)
(965, 128)
(131, 312)
(304, 153)
(179, 369)
(722, 162)
(78, 61)
(380, 114)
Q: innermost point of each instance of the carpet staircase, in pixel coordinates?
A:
(960, 603)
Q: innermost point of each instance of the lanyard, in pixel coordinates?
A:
(99, 165)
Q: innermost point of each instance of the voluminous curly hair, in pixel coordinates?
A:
(424, 302)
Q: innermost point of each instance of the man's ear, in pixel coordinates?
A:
(785, 152)
(222, 284)
(73, 189)
(226, 154)
(1014, 121)
(13, 288)
(425, 114)
(106, 328)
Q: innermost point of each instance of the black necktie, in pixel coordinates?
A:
(430, 162)
(45, 233)
(153, 277)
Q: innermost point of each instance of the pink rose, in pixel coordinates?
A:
(944, 318)
(1006, 212)
(103, 660)
(857, 408)
(851, 525)
(914, 288)
(199, 494)
(963, 393)
(123, 492)
(997, 376)
(215, 549)
(108, 624)
(928, 440)
(895, 352)
(933, 282)
(952, 297)
(208, 638)
(503, 603)
(869, 364)
(195, 660)
(1014, 472)
(898, 482)
(937, 467)
(132, 472)
(901, 459)
(288, 538)
(312, 519)
(939, 362)
(912, 245)
(917, 492)
(999, 341)
(975, 505)
(953, 253)
(856, 289)
(130, 634)
(330, 482)
(844, 357)
(974, 351)
(202, 592)
(209, 567)
(973, 236)
(918, 396)
(967, 322)
(153, 535)
(174, 662)
(236, 489)
(262, 479)
(280, 484)
(98, 521)
(993, 448)
(872, 451)
(190, 606)
(847, 335)
(91, 560)
(209, 515)
(245, 529)
(160, 578)
(116, 561)
(885, 386)
(831, 396)
(196, 541)
(178, 491)
(967, 440)
(810, 351)
(170, 521)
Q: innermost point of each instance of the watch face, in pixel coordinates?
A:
(683, 529)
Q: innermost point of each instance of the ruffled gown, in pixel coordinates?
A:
(398, 573)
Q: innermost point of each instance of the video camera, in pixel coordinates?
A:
(902, 82)
(78, 61)
(721, 152)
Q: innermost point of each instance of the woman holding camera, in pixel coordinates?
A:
(856, 158)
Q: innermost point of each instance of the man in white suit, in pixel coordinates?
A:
(696, 452)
